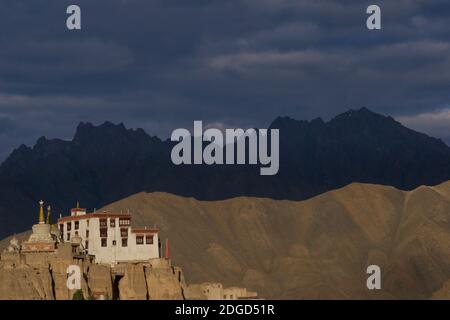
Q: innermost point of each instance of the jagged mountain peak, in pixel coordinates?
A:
(107, 162)
(362, 115)
(87, 132)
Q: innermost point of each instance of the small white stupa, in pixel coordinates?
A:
(41, 239)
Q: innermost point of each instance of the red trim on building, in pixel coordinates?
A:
(146, 231)
(95, 215)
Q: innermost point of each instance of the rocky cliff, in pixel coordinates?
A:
(44, 277)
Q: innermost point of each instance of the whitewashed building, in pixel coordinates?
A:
(109, 236)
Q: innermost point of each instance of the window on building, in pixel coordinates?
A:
(77, 225)
(124, 222)
(114, 242)
(124, 242)
(112, 223)
(139, 239)
(103, 232)
(104, 242)
(87, 222)
(69, 226)
(124, 232)
(87, 245)
(76, 233)
(87, 233)
(149, 239)
(103, 222)
(68, 236)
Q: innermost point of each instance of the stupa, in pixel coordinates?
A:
(41, 240)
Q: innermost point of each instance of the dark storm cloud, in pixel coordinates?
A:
(6, 126)
(162, 64)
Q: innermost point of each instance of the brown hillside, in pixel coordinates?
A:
(319, 248)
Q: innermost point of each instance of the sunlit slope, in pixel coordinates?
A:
(319, 248)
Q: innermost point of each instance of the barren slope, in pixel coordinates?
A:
(318, 248)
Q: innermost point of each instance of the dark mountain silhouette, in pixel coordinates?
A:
(106, 163)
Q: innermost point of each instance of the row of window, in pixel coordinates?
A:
(139, 241)
(104, 241)
(148, 239)
(112, 222)
(103, 233)
(76, 225)
(76, 233)
(103, 223)
(123, 232)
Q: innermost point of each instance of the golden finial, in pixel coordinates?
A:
(49, 215)
(41, 212)
(78, 204)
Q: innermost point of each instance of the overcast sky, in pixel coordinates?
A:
(159, 65)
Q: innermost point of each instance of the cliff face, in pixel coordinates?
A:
(25, 283)
(43, 277)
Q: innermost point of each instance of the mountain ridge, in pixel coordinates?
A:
(104, 163)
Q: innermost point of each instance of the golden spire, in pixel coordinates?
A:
(78, 204)
(41, 212)
(49, 215)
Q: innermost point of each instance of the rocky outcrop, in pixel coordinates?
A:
(163, 282)
(59, 275)
(25, 282)
(44, 277)
(100, 281)
(132, 286)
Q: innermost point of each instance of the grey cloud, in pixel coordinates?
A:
(162, 64)
(6, 125)
(435, 123)
(45, 65)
